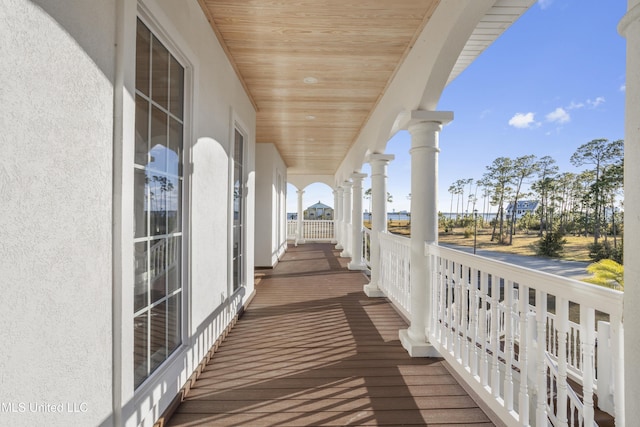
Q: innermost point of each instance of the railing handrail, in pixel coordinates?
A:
(602, 299)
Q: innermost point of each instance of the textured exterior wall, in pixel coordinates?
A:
(267, 242)
(56, 116)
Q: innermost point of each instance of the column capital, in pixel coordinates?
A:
(632, 15)
(380, 158)
(347, 185)
(300, 192)
(407, 119)
(357, 177)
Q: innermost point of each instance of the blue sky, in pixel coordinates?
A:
(552, 82)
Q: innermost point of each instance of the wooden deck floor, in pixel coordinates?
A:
(312, 349)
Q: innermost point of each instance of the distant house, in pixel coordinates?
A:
(522, 208)
(319, 211)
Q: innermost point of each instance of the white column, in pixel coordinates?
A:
(335, 212)
(338, 223)
(379, 164)
(346, 236)
(629, 27)
(299, 228)
(357, 263)
(424, 127)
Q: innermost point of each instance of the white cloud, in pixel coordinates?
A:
(544, 3)
(623, 88)
(594, 104)
(574, 105)
(559, 115)
(522, 121)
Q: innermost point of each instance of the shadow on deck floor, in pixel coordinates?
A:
(312, 349)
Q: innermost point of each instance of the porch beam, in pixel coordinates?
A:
(424, 127)
(379, 163)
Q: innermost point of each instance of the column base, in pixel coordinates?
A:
(359, 266)
(416, 348)
(345, 254)
(373, 291)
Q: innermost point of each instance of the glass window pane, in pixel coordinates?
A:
(158, 336)
(174, 324)
(158, 186)
(174, 204)
(140, 346)
(176, 88)
(140, 203)
(141, 283)
(143, 46)
(158, 269)
(142, 131)
(159, 73)
(238, 148)
(158, 141)
(173, 263)
(174, 154)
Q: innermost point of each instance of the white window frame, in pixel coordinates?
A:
(237, 125)
(157, 29)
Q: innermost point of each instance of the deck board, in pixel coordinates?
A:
(312, 349)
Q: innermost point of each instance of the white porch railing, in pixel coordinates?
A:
(548, 331)
(312, 230)
(394, 271)
(292, 229)
(545, 332)
(366, 246)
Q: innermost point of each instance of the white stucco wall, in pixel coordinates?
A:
(269, 237)
(62, 205)
(56, 121)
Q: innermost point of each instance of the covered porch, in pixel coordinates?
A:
(313, 349)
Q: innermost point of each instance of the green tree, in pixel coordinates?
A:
(547, 171)
(523, 168)
(599, 153)
(499, 176)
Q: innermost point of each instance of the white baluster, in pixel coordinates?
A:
(523, 350)
(587, 333)
(508, 344)
(495, 342)
(450, 305)
(464, 315)
(562, 322)
(482, 326)
(541, 378)
(473, 321)
(617, 350)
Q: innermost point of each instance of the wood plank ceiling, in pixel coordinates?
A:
(315, 69)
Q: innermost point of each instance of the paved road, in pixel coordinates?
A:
(571, 269)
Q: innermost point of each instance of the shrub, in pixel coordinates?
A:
(599, 251)
(551, 244)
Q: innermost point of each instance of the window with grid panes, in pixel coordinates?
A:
(158, 182)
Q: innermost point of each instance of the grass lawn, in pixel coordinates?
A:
(576, 248)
